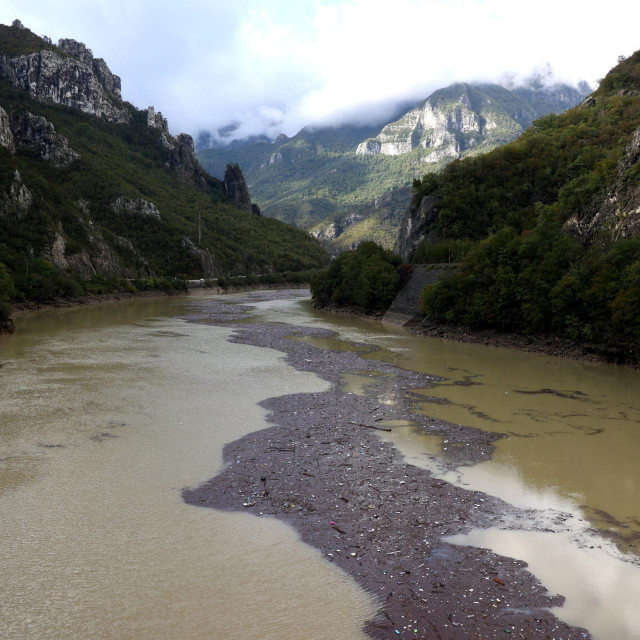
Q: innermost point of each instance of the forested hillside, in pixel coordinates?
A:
(94, 191)
(552, 222)
(349, 183)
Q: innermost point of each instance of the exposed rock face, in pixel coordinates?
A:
(17, 201)
(255, 209)
(207, 261)
(6, 135)
(72, 77)
(619, 213)
(136, 206)
(462, 117)
(236, 188)
(39, 134)
(415, 227)
(155, 120)
(330, 232)
(95, 258)
(336, 227)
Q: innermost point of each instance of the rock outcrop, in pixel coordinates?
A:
(336, 227)
(619, 214)
(462, 118)
(6, 135)
(237, 191)
(39, 134)
(17, 201)
(415, 227)
(136, 206)
(205, 258)
(181, 148)
(70, 76)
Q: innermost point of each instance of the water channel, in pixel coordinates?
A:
(107, 412)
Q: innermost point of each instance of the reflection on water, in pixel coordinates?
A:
(603, 593)
(574, 426)
(573, 439)
(107, 413)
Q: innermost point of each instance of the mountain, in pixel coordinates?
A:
(92, 187)
(547, 228)
(349, 183)
(466, 119)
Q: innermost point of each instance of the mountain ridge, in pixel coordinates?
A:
(318, 181)
(92, 188)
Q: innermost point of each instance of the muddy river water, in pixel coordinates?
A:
(108, 412)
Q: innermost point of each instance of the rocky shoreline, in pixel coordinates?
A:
(66, 303)
(550, 345)
(321, 468)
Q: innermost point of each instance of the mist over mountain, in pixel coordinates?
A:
(350, 183)
(281, 66)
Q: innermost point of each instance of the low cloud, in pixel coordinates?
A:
(271, 66)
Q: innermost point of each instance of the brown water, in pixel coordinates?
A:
(106, 413)
(573, 442)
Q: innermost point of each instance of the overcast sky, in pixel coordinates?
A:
(276, 65)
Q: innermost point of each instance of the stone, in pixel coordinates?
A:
(236, 188)
(463, 117)
(17, 201)
(619, 213)
(6, 135)
(415, 227)
(136, 206)
(39, 134)
(205, 258)
(71, 77)
(155, 120)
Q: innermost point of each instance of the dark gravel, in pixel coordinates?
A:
(321, 468)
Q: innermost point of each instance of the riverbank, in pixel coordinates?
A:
(321, 468)
(550, 345)
(64, 303)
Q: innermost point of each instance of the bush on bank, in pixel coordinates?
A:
(367, 277)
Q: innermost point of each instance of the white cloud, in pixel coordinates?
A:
(278, 65)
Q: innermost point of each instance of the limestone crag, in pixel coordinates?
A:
(136, 206)
(336, 227)
(6, 135)
(155, 120)
(38, 134)
(619, 214)
(463, 118)
(415, 227)
(205, 258)
(70, 76)
(237, 191)
(17, 201)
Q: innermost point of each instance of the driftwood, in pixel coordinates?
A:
(369, 426)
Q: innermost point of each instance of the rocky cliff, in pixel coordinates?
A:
(415, 227)
(96, 189)
(619, 213)
(580, 168)
(237, 191)
(463, 119)
(346, 184)
(68, 75)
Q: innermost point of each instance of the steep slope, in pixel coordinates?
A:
(100, 189)
(465, 119)
(555, 218)
(345, 185)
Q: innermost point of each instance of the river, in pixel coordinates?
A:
(108, 412)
